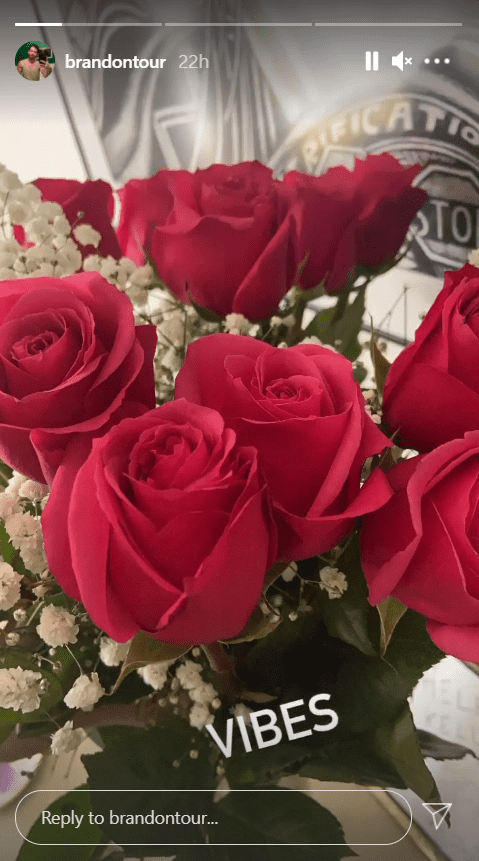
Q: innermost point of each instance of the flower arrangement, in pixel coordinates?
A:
(203, 516)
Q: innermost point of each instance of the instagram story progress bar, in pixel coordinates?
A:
(244, 24)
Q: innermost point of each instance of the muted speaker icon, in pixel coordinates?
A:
(398, 61)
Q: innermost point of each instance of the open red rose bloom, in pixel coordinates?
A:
(176, 535)
(72, 358)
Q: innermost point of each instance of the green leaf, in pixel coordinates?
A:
(352, 758)
(348, 327)
(205, 313)
(330, 330)
(397, 742)
(370, 691)
(137, 759)
(6, 547)
(146, 650)
(320, 325)
(86, 833)
(5, 731)
(380, 364)
(391, 610)
(259, 625)
(438, 748)
(351, 617)
(280, 817)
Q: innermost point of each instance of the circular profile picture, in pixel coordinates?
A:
(34, 61)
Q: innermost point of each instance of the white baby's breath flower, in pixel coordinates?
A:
(112, 653)
(84, 693)
(7, 274)
(32, 490)
(203, 694)
(57, 626)
(20, 689)
(199, 716)
(85, 234)
(18, 212)
(155, 675)
(29, 193)
(40, 591)
(171, 360)
(38, 229)
(15, 483)
(8, 505)
(67, 739)
(172, 328)
(21, 527)
(236, 324)
(242, 710)
(127, 265)
(40, 253)
(26, 536)
(7, 259)
(10, 245)
(9, 586)
(49, 209)
(109, 267)
(333, 581)
(289, 574)
(92, 263)
(137, 295)
(9, 181)
(189, 675)
(142, 276)
(61, 225)
(58, 241)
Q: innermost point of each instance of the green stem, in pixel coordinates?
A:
(340, 308)
(223, 665)
(141, 714)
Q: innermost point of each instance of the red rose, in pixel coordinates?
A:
(304, 413)
(71, 356)
(423, 545)
(432, 389)
(353, 218)
(224, 234)
(89, 202)
(164, 528)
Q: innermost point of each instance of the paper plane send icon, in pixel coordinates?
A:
(438, 811)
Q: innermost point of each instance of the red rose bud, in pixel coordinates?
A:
(72, 357)
(422, 547)
(222, 236)
(353, 218)
(432, 389)
(164, 528)
(304, 413)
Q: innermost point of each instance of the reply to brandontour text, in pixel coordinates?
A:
(65, 820)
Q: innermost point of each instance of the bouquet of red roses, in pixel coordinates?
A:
(203, 513)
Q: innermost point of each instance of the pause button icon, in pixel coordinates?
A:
(375, 61)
